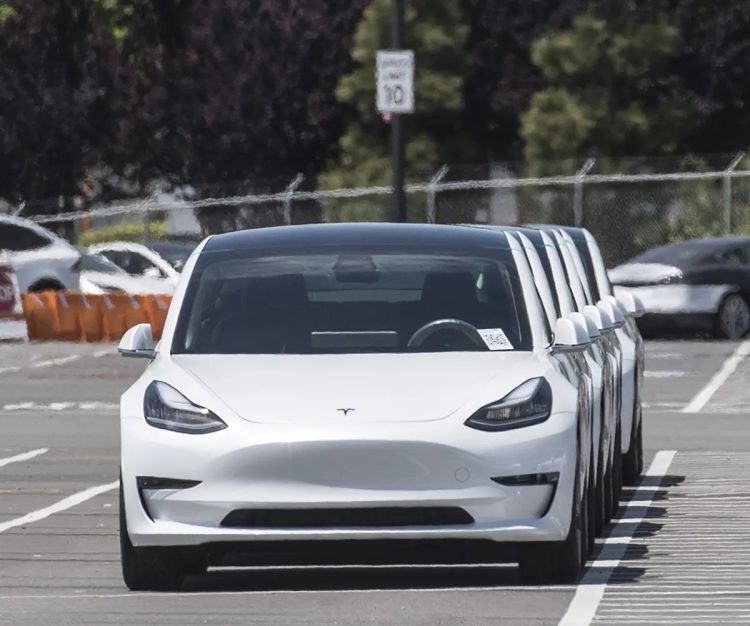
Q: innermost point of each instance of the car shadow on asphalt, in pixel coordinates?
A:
(635, 521)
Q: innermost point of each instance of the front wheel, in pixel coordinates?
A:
(632, 461)
(153, 569)
(558, 561)
(733, 319)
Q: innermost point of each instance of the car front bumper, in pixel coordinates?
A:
(440, 464)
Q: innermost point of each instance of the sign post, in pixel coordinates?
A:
(395, 97)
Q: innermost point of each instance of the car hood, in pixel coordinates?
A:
(644, 274)
(293, 389)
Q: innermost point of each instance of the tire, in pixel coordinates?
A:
(617, 472)
(554, 562)
(733, 317)
(601, 498)
(632, 461)
(46, 285)
(152, 569)
(591, 518)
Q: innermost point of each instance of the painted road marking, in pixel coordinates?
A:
(727, 369)
(663, 374)
(696, 536)
(63, 360)
(26, 456)
(62, 505)
(590, 590)
(93, 405)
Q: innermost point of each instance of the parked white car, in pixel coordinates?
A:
(99, 275)
(162, 260)
(41, 259)
(340, 382)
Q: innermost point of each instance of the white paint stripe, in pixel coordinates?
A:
(59, 361)
(26, 456)
(727, 369)
(62, 505)
(590, 590)
(663, 374)
(61, 406)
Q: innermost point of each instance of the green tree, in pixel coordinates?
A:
(604, 96)
(435, 30)
(607, 97)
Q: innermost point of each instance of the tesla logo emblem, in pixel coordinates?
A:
(345, 411)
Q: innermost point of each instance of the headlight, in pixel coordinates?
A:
(165, 407)
(529, 403)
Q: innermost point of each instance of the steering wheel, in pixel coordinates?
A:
(425, 332)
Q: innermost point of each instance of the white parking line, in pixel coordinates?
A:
(590, 590)
(26, 456)
(727, 369)
(63, 360)
(93, 405)
(62, 505)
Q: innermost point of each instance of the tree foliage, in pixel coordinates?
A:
(58, 84)
(605, 95)
(434, 29)
(500, 77)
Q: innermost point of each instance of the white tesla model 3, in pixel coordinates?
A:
(328, 383)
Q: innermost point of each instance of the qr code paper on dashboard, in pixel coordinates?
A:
(495, 339)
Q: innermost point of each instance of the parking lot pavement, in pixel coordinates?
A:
(676, 555)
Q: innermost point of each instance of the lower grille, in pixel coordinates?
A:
(347, 518)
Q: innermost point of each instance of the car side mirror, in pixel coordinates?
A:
(570, 337)
(591, 328)
(614, 311)
(138, 342)
(599, 317)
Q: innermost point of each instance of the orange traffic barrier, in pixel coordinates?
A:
(78, 317)
(72, 316)
(40, 311)
(156, 307)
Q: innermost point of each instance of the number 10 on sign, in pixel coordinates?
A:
(395, 81)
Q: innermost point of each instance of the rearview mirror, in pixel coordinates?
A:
(138, 342)
(570, 337)
(614, 311)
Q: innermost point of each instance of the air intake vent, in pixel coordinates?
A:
(347, 518)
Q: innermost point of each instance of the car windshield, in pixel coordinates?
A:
(352, 301)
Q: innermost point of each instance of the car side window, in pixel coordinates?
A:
(18, 238)
(132, 262)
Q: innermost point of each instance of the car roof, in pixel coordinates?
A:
(376, 234)
(31, 225)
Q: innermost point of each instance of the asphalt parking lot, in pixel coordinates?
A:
(677, 554)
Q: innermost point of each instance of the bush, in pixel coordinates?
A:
(123, 232)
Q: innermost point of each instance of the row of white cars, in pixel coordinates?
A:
(43, 261)
(330, 391)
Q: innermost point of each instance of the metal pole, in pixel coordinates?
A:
(578, 192)
(397, 122)
(289, 191)
(728, 192)
(432, 193)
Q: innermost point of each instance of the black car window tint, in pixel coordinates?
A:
(17, 238)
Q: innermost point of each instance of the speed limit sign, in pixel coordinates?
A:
(395, 81)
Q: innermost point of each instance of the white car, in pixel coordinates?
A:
(324, 383)
(99, 275)
(42, 260)
(158, 260)
(632, 350)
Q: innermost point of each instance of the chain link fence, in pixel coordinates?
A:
(629, 205)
